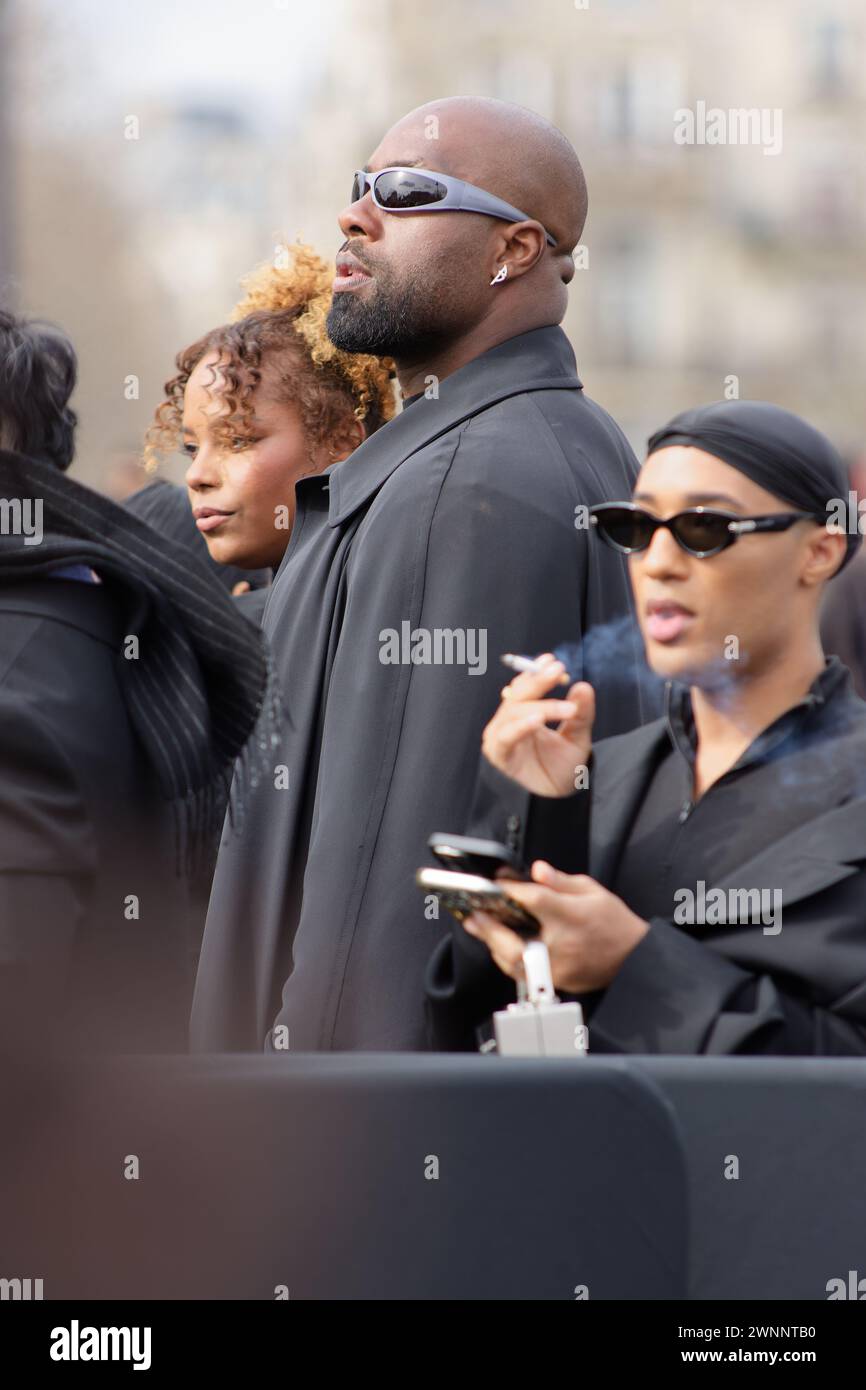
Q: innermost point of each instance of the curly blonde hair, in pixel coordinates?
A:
(279, 325)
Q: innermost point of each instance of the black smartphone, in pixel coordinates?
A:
(463, 894)
(470, 856)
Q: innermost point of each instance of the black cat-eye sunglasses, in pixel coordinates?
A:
(701, 531)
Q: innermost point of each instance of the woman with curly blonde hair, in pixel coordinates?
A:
(265, 400)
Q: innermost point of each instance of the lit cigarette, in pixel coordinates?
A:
(519, 663)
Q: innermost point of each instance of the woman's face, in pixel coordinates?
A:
(244, 501)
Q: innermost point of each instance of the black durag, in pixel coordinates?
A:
(773, 447)
(200, 693)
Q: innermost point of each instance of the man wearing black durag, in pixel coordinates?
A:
(722, 903)
(129, 685)
(454, 534)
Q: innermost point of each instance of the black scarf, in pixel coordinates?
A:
(201, 692)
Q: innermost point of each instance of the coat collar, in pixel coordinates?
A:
(833, 682)
(88, 607)
(813, 856)
(541, 360)
(618, 787)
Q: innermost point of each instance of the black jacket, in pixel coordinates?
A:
(457, 516)
(705, 989)
(83, 832)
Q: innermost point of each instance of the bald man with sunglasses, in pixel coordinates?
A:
(722, 906)
(449, 536)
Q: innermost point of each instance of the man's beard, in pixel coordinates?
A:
(401, 323)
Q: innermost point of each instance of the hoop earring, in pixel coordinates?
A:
(500, 275)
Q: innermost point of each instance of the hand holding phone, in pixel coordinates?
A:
(467, 855)
(462, 894)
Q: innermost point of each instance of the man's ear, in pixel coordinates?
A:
(825, 555)
(524, 243)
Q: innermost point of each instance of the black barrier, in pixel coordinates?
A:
(776, 1158)
(398, 1177)
(419, 1177)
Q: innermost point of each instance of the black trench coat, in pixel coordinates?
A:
(457, 515)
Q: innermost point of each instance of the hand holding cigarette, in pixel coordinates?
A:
(518, 741)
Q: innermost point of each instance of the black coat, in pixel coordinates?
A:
(457, 515)
(707, 989)
(82, 831)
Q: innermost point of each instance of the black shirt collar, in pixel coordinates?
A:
(833, 684)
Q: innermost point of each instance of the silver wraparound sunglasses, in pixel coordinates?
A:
(399, 189)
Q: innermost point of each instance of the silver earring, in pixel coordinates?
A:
(500, 275)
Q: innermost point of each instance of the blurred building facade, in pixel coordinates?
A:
(706, 263)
